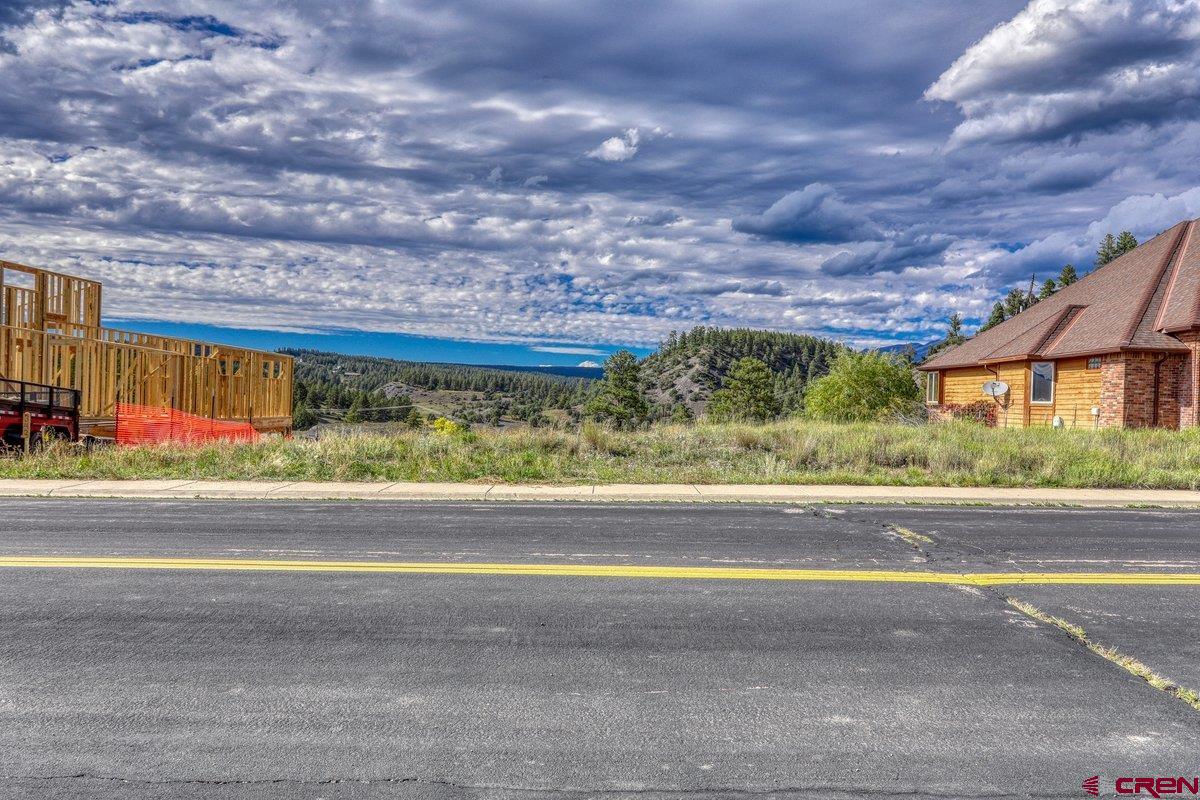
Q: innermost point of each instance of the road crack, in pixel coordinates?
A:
(1125, 662)
(929, 547)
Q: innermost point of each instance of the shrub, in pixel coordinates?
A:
(983, 411)
(863, 387)
(303, 417)
(447, 427)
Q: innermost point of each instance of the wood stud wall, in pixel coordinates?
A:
(50, 333)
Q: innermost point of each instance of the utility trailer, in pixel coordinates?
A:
(53, 413)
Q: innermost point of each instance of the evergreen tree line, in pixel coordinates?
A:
(742, 374)
(793, 361)
(351, 386)
(1018, 299)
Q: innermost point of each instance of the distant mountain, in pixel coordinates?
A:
(690, 366)
(589, 373)
(921, 350)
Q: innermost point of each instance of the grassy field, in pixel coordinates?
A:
(960, 454)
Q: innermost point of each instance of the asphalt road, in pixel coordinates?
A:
(216, 683)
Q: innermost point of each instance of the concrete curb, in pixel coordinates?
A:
(307, 490)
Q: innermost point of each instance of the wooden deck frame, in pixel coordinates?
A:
(50, 333)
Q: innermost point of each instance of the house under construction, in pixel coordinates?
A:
(50, 333)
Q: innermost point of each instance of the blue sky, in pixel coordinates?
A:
(539, 182)
(391, 345)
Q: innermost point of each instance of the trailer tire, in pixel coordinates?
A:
(42, 439)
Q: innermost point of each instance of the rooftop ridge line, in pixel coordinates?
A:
(1148, 295)
(1066, 320)
(1166, 300)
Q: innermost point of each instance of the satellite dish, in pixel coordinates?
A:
(995, 388)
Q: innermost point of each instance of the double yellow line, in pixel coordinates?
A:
(607, 571)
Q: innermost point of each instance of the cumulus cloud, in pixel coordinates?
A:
(1064, 68)
(897, 252)
(1145, 216)
(385, 167)
(618, 148)
(815, 214)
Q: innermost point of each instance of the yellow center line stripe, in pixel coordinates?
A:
(610, 571)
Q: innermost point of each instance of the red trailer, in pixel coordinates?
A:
(53, 413)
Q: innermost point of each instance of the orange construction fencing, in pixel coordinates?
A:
(153, 425)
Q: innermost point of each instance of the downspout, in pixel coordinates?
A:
(1157, 371)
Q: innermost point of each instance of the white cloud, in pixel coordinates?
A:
(572, 351)
(1144, 215)
(369, 166)
(618, 148)
(1066, 67)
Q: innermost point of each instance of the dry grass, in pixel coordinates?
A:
(796, 452)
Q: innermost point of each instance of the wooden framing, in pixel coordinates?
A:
(50, 333)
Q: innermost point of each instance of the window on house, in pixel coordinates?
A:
(932, 386)
(1094, 362)
(1042, 390)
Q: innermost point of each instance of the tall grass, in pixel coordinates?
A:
(959, 454)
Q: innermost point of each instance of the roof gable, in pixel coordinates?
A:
(1128, 303)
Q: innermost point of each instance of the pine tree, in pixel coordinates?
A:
(303, 418)
(954, 334)
(1067, 276)
(354, 415)
(1049, 287)
(620, 400)
(1107, 250)
(1125, 242)
(1014, 302)
(748, 393)
(995, 318)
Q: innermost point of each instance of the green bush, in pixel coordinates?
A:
(864, 387)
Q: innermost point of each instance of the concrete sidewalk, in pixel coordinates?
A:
(692, 493)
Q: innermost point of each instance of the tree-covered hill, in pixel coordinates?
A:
(334, 383)
(677, 380)
(688, 367)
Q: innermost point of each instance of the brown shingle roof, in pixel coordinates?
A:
(1131, 303)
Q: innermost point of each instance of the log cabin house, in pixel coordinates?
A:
(1119, 348)
(50, 333)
